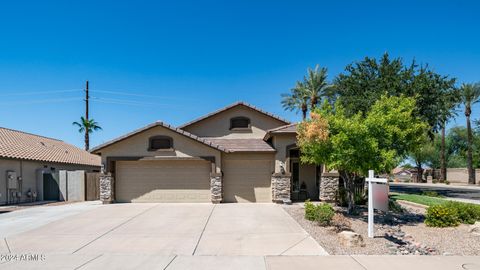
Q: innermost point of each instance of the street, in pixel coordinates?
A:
(454, 192)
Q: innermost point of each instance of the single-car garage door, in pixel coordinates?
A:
(163, 181)
(247, 178)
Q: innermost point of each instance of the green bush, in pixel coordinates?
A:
(441, 216)
(324, 214)
(467, 213)
(321, 213)
(310, 211)
(431, 194)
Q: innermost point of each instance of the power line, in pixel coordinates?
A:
(132, 94)
(40, 101)
(40, 92)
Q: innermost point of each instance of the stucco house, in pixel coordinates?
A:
(29, 163)
(239, 153)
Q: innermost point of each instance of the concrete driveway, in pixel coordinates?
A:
(130, 232)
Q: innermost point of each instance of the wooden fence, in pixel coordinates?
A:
(92, 186)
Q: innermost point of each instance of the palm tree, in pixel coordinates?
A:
(297, 99)
(470, 94)
(315, 85)
(88, 126)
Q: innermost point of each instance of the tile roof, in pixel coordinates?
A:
(21, 145)
(239, 103)
(290, 128)
(167, 126)
(243, 145)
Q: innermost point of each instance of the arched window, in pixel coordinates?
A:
(160, 143)
(240, 122)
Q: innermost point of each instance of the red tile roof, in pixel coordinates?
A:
(21, 145)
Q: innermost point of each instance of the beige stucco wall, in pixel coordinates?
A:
(219, 124)
(137, 146)
(460, 175)
(280, 143)
(28, 171)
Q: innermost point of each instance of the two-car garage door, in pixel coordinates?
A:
(163, 181)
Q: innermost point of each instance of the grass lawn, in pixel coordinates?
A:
(420, 199)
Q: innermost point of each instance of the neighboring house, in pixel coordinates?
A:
(401, 174)
(237, 154)
(28, 163)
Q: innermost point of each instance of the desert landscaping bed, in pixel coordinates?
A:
(396, 233)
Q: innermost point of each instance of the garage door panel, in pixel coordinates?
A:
(247, 180)
(163, 181)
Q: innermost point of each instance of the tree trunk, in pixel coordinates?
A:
(313, 103)
(443, 161)
(419, 173)
(348, 183)
(471, 170)
(87, 141)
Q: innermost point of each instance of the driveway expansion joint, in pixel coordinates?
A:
(363, 266)
(114, 228)
(297, 243)
(8, 247)
(170, 262)
(87, 262)
(203, 230)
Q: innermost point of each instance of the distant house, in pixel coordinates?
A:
(401, 174)
(28, 164)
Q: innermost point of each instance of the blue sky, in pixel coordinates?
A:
(177, 60)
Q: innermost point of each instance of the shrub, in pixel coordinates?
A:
(324, 214)
(431, 194)
(310, 211)
(341, 223)
(321, 213)
(441, 216)
(394, 206)
(467, 213)
(360, 198)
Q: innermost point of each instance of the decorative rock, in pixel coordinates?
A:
(351, 239)
(475, 228)
(281, 188)
(106, 188)
(329, 187)
(216, 189)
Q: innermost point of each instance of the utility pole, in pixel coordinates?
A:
(87, 137)
(86, 101)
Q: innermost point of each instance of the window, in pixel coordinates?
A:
(160, 143)
(240, 123)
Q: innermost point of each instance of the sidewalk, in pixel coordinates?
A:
(355, 262)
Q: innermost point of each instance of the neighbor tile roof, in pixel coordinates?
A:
(21, 145)
(243, 145)
(239, 103)
(167, 126)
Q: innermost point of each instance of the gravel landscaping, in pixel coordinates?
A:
(396, 233)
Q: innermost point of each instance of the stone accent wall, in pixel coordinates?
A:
(281, 187)
(106, 188)
(216, 187)
(329, 186)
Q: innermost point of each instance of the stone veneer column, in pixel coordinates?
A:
(281, 188)
(329, 187)
(106, 188)
(216, 188)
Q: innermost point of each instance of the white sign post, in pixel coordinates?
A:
(377, 198)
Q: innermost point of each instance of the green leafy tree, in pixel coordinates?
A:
(422, 155)
(87, 127)
(470, 94)
(354, 144)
